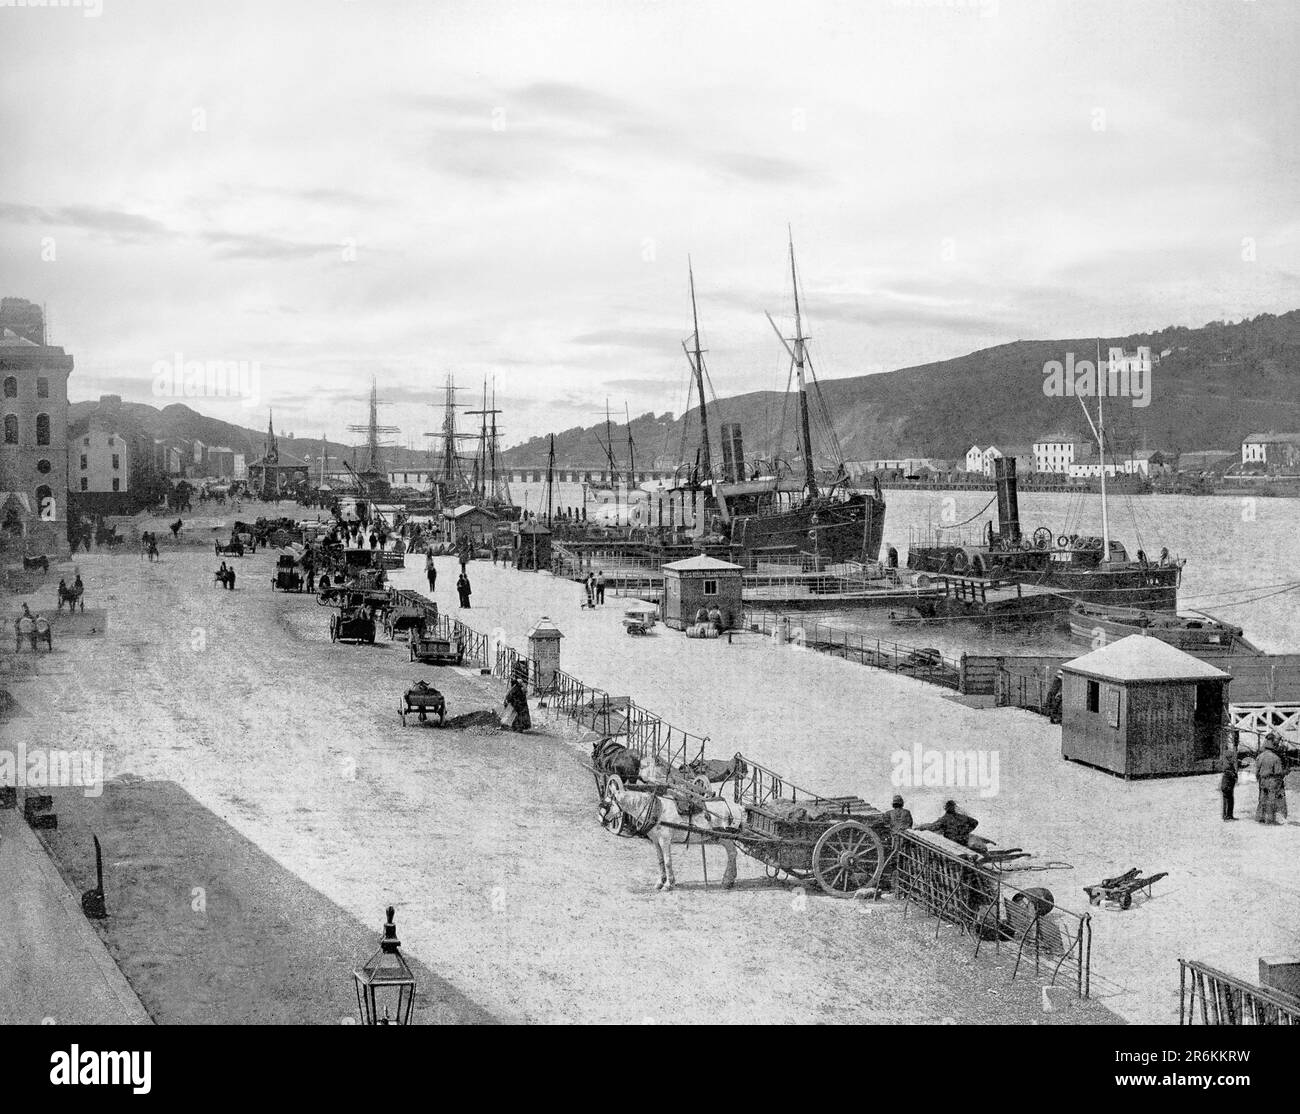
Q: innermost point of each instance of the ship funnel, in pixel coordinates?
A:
(1004, 475)
(733, 453)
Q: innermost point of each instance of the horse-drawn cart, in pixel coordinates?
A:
(288, 577)
(437, 651)
(352, 625)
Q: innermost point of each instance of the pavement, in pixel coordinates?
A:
(54, 968)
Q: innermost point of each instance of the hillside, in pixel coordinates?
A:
(1219, 383)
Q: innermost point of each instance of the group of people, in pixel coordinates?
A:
(1270, 775)
(226, 576)
(593, 590)
(463, 588)
(953, 824)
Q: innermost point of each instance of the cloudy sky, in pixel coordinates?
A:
(341, 188)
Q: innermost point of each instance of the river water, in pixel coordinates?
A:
(1240, 552)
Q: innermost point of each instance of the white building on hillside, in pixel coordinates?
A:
(980, 461)
(1055, 452)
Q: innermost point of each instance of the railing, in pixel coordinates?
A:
(756, 784)
(1225, 1000)
(976, 899)
(922, 663)
(1263, 719)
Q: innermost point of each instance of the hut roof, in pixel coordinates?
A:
(702, 563)
(1139, 657)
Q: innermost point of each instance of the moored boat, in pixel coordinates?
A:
(1194, 634)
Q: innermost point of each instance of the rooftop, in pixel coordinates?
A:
(702, 563)
(1139, 657)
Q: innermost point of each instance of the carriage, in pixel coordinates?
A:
(437, 651)
(843, 844)
(233, 548)
(288, 577)
(423, 700)
(406, 620)
(352, 624)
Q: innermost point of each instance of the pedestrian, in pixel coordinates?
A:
(464, 557)
(600, 587)
(311, 577)
(430, 571)
(519, 718)
(590, 584)
(1268, 773)
(463, 589)
(1228, 783)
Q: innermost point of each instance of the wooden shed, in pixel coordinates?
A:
(470, 525)
(702, 583)
(1142, 708)
(532, 545)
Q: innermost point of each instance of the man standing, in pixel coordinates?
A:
(1268, 773)
(462, 587)
(600, 587)
(430, 571)
(900, 819)
(1228, 782)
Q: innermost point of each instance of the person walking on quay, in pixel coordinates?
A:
(464, 557)
(600, 587)
(516, 700)
(590, 585)
(1268, 773)
(430, 571)
(463, 589)
(1228, 783)
(311, 577)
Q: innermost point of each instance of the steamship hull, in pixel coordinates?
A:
(835, 531)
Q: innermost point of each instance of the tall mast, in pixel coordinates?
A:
(631, 452)
(1101, 449)
(805, 434)
(550, 479)
(707, 459)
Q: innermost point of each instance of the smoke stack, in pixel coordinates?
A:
(1004, 475)
(733, 453)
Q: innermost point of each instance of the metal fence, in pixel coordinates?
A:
(1208, 996)
(981, 903)
(923, 663)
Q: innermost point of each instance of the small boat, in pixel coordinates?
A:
(1194, 634)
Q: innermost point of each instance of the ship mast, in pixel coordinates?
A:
(1099, 432)
(805, 433)
(707, 457)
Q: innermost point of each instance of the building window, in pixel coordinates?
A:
(43, 467)
(116, 465)
(85, 483)
(11, 429)
(44, 501)
(11, 387)
(710, 587)
(85, 441)
(83, 462)
(42, 429)
(117, 485)
(1094, 696)
(42, 387)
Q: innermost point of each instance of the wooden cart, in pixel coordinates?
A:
(437, 651)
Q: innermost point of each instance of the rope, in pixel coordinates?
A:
(972, 517)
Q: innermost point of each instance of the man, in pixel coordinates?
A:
(1228, 783)
(79, 590)
(1268, 773)
(900, 819)
(517, 701)
(590, 585)
(600, 587)
(430, 571)
(463, 589)
(953, 825)
(63, 593)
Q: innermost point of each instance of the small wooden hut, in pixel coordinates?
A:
(532, 545)
(1142, 708)
(470, 525)
(702, 583)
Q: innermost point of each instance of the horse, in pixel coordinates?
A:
(664, 822)
(70, 596)
(610, 757)
(42, 562)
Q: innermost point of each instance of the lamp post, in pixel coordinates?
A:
(385, 982)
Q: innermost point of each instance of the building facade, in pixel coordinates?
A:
(1055, 452)
(33, 452)
(1279, 450)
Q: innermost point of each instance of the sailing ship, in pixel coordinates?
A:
(480, 481)
(771, 511)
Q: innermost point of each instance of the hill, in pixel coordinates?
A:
(1214, 385)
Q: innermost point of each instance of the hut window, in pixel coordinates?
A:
(710, 587)
(1094, 696)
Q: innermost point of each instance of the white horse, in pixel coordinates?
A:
(663, 823)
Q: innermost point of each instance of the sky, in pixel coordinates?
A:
(340, 189)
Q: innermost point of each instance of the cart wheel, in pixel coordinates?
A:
(848, 857)
(611, 818)
(1126, 901)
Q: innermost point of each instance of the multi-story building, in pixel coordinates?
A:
(33, 454)
(981, 460)
(1278, 450)
(99, 467)
(1055, 452)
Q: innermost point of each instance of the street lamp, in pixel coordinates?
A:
(385, 982)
